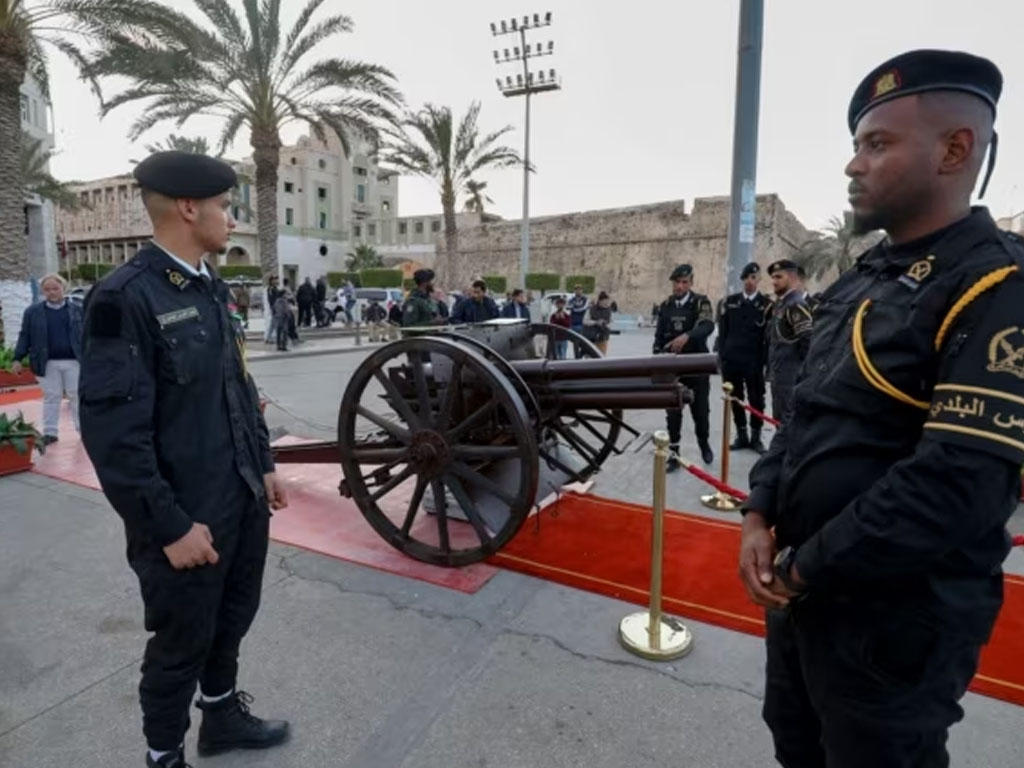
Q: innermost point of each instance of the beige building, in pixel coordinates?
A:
(1013, 223)
(630, 251)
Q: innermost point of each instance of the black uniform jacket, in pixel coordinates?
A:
(695, 317)
(905, 502)
(170, 416)
(789, 322)
(741, 330)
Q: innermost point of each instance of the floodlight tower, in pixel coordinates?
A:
(525, 84)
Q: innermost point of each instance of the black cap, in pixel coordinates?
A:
(421, 276)
(930, 70)
(783, 264)
(922, 71)
(753, 268)
(683, 270)
(185, 175)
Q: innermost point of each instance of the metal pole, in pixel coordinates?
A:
(524, 246)
(744, 146)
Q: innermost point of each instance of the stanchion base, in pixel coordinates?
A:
(675, 641)
(723, 502)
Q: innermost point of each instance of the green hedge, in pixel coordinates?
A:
(496, 283)
(543, 281)
(337, 279)
(232, 271)
(381, 278)
(408, 284)
(587, 281)
(91, 272)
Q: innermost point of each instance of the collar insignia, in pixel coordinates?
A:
(917, 273)
(177, 279)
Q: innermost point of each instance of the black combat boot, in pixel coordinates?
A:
(673, 463)
(741, 441)
(755, 441)
(228, 724)
(706, 453)
(170, 760)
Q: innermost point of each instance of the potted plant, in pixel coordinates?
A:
(8, 378)
(17, 439)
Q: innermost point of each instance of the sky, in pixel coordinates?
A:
(646, 108)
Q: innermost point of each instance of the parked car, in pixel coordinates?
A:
(77, 295)
(386, 297)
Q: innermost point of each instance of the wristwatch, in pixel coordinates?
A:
(784, 567)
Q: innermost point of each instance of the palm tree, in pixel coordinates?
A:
(429, 145)
(248, 74)
(196, 145)
(834, 248)
(475, 201)
(35, 175)
(364, 257)
(27, 30)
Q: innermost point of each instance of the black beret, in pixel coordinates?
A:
(783, 264)
(753, 268)
(421, 276)
(923, 71)
(184, 174)
(683, 270)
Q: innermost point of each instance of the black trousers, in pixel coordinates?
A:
(282, 333)
(700, 409)
(782, 399)
(853, 689)
(747, 384)
(305, 314)
(198, 618)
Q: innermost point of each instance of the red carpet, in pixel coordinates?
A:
(604, 546)
(19, 395)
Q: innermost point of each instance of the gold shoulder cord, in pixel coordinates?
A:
(871, 373)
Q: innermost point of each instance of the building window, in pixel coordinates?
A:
(293, 161)
(402, 227)
(435, 226)
(323, 219)
(385, 206)
(321, 192)
(360, 171)
(35, 112)
(419, 227)
(371, 230)
(322, 164)
(289, 187)
(289, 217)
(357, 231)
(361, 193)
(24, 108)
(385, 180)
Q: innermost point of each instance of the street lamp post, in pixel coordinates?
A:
(526, 84)
(744, 148)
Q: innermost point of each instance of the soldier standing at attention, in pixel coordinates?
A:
(741, 347)
(171, 422)
(420, 308)
(789, 333)
(684, 323)
(890, 485)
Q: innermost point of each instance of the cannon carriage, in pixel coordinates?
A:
(450, 436)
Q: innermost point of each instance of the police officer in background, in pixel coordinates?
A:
(741, 347)
(419, 307)
(171, 421)
(890, 485)
(685, 320)
(789, 333)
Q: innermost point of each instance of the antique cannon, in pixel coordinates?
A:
(490, 422)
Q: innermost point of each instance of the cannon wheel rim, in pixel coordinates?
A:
(609, 416)
(507, 398)
(524, 391)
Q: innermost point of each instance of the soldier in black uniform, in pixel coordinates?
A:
(171, 422)
(891, 483)
(741, 347)
(684, 323)
(789, 324)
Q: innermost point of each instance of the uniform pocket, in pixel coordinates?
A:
(182, 353)
(107, 369)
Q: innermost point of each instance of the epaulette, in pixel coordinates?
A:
(121, 276)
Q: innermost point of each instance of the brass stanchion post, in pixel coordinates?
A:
(651, 633)
(723, 502)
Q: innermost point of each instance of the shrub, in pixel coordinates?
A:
(587, 281)
(496, 283)
(543, 281)
(231, 271)
(408, 284)
(91, 272)
(381, 278)
(337, 279)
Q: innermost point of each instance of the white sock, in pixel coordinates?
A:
(157, 754)
(213, 699)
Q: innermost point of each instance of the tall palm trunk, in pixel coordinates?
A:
(15, 288)
(266, 147)
(451, 232)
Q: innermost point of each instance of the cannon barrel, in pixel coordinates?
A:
(651, 366)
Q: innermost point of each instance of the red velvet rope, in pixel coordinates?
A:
(763, 416)
(1018, 541)
(713, 481)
